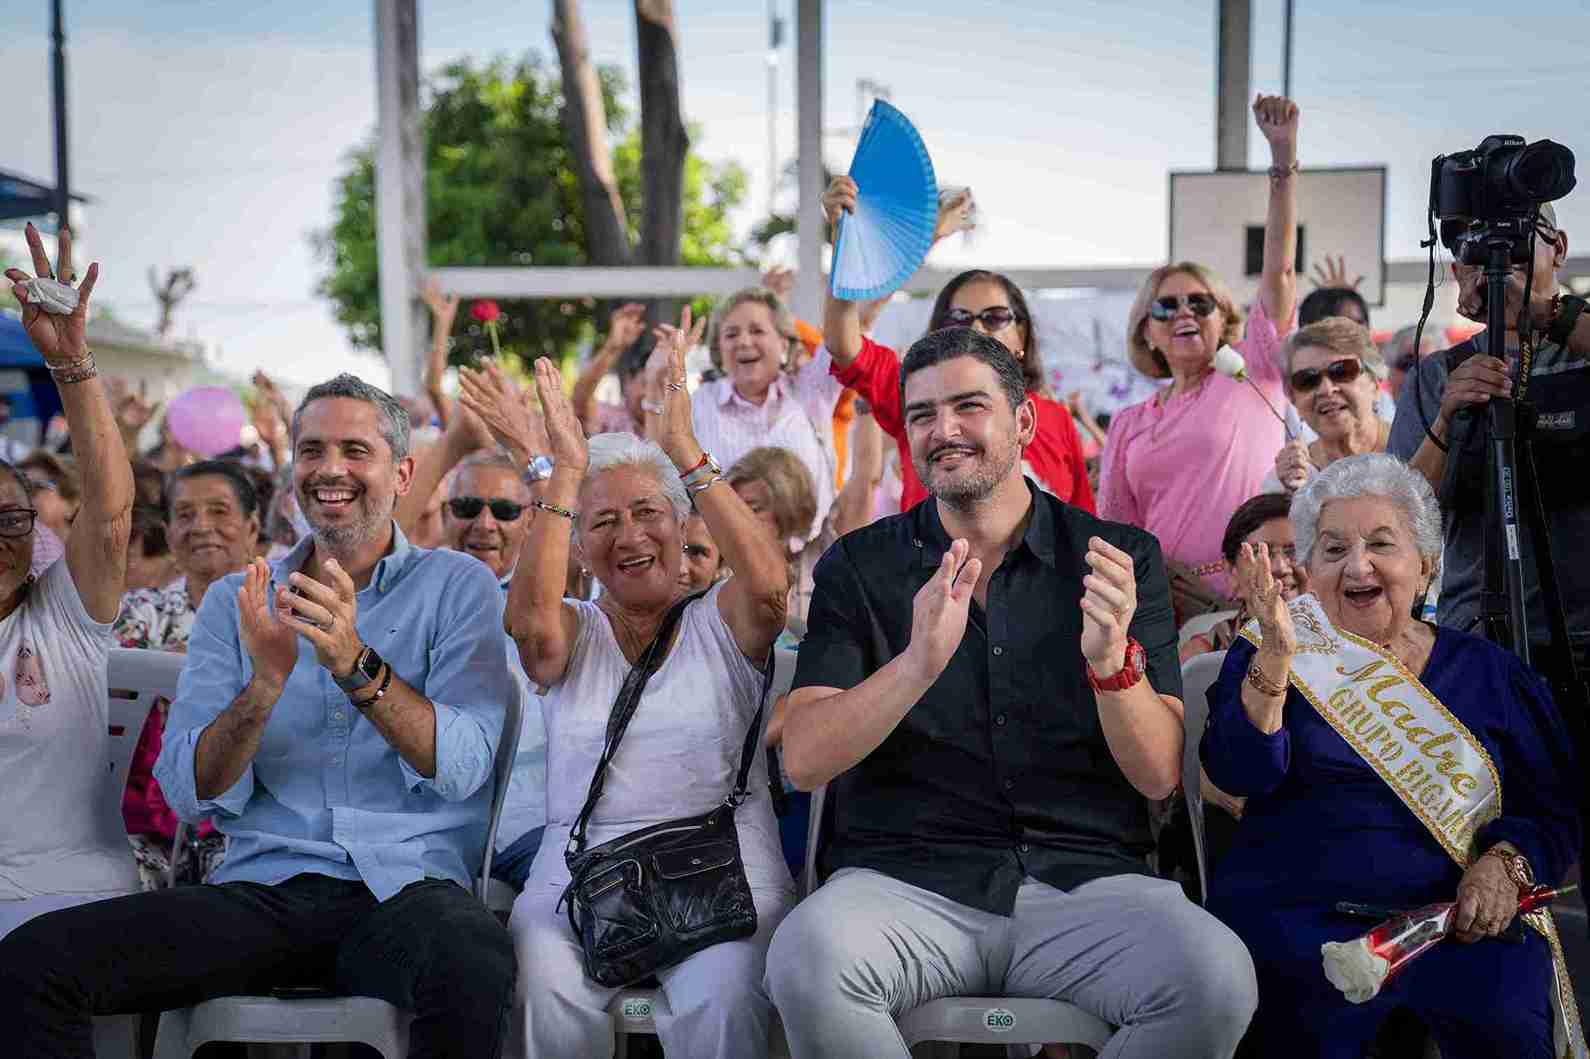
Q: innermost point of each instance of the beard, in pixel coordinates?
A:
(978, 476)
(342, 538)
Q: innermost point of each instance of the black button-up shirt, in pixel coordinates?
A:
(1001, 770)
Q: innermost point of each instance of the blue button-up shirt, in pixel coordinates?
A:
(326, 793)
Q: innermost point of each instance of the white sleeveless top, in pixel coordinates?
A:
(679, 755)
(63, 831)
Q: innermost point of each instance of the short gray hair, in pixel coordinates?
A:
(490, 458)
(1371, 474)
(394, 418)
(606, 451)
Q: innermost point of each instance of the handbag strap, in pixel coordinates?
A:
(629, 700)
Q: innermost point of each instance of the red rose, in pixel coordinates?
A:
(485, 312)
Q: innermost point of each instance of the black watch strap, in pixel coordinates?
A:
(365, 669)
(1569, 306)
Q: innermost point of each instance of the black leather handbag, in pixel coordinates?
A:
(651, 898)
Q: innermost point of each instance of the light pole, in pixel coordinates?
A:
(775, 39)
(63, 189)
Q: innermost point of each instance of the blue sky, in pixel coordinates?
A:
(209, 133)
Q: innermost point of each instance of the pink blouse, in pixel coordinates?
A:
(1179, 468)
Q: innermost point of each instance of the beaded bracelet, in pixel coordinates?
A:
(542, 505)
(79, 370)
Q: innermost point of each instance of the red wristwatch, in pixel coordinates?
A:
(1130, 674)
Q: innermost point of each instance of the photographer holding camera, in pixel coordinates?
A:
(1454, 387)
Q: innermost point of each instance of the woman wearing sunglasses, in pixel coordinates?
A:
(1332, 374)
(1179, 463)
(992, 304)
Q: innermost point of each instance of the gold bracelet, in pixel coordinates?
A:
(1517, 866)
(1263, 684)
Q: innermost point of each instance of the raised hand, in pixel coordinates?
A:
(1277, 117)
(1262, 598)
(133, 410)
(1109, 599)
(840, 197)
(779, 280)
(267, 389)
(497, 407)
(325, 615)
(667, 401)
(1293, 465)
(59, 339)
(564, 433)
(443, 307)
(938, 613)
(271, 644)
(957, 213)
(1333, 274)
(624, 325)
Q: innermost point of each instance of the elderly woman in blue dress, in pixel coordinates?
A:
(1389, 762)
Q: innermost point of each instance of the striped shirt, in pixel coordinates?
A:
(798, 415)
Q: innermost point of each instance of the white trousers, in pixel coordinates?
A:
(1130, 949)
(719, 1006)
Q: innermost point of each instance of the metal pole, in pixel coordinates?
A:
(63, 182)
(399, 190)
(1286, 53)
(809, 222)
(1232, 81)
(774, 38)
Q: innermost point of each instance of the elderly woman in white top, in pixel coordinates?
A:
(626, 504)
(63, 843)
(1332, 372)
(758, 402)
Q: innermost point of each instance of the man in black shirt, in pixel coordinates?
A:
(990, 687)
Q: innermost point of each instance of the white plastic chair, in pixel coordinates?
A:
(634, 1009)
(324, 1020)
(940, 1026)
(1197, 674)
(1200, 624)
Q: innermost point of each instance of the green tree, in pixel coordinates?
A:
(500, 190)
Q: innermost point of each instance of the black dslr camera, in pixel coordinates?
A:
(1491, 193)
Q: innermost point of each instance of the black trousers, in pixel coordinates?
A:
(432, 949)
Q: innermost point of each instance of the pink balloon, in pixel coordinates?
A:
(207, 420)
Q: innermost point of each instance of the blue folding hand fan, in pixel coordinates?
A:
(887, 238)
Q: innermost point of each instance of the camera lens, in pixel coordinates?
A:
(1541, 172)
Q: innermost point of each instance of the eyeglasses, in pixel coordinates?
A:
(994, 318)
(17, 522)
(1340, 372)
(468, 507)
(1165, 308)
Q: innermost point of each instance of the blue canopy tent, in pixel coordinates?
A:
(39, 400)
(23, 198)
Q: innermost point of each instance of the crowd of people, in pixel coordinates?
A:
(989, 619)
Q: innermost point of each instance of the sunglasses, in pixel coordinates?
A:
(994, 318)
(1340, 372)
(1166, 307)
(468, 507)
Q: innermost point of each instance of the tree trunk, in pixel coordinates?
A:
(585, 123)
(664, 140)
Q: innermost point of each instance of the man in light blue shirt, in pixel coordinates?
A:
(337, 717)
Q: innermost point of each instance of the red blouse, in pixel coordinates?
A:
(1053, 458)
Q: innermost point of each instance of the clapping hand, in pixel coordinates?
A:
(59, 339)
(624, 325)
(1333, 274)
(939, 611)
(667, 402)
(565, 436)
(325, 615)
(272, 645)
(779, 280)
(1109, 599)
(1263, 600)
(494, 408)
